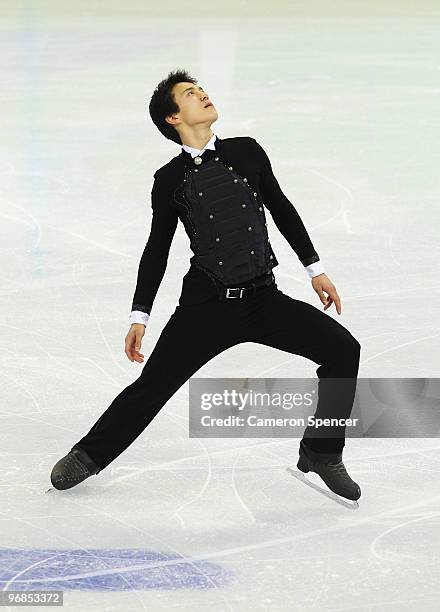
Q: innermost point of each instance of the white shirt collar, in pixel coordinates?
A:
(194, 152)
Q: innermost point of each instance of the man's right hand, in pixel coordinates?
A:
(133, 341)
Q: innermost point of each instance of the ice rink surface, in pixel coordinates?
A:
(345, 100)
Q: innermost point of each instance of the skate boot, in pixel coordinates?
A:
(72, 469)
(330, 468)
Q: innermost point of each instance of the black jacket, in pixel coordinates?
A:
(249, 160)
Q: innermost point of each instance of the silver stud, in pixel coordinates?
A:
(220, 263)
(195, 170)
(252, 252)
(255, 194)
(260, 208)
(245, 180)
(198, 160)
(271, 257)
(217, 239)
(216, 158)
(211, 216)
(235, 180)
(200, 193)
(249, 228)
(243, 205)
(230, 167)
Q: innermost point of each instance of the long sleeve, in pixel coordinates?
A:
(286, 216)
(315, 269)
(154, 258)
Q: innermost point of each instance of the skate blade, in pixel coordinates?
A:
(351, 505)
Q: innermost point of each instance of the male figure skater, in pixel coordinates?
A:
(219, 189)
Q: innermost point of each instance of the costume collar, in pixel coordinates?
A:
(195, 152)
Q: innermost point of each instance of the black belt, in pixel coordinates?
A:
(239, 292)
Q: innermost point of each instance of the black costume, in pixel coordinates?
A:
(220, 197)
(228, 178)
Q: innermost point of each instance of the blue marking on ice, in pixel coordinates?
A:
(105, 569)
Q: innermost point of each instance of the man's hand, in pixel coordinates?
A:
(322, 283)
(133, 341)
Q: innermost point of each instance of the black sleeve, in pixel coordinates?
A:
(155, 256)
(283, 211)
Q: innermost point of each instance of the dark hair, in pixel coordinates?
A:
(162, 103)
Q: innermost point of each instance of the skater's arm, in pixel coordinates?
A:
(154, 258)
(286, 216)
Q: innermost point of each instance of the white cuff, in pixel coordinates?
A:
(137, 316)
(314, 269)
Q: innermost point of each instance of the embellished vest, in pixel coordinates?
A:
(225, 221)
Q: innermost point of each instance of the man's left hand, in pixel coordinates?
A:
(322, 283)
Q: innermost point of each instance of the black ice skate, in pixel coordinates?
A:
(72, 469)
(330, 468)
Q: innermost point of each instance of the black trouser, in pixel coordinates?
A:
(195, 334)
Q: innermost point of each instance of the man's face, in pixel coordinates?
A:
(192, 101)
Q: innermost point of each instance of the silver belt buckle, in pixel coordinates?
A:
(241, 289)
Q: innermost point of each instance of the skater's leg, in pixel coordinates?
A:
(192, 336)
(298, 327)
